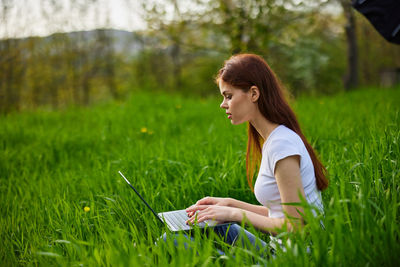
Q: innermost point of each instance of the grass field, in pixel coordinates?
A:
(177, 150)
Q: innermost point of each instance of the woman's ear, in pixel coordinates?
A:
(255, 93)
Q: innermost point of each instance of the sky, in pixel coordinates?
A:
(41, 18)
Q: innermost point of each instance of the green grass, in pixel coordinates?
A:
(53, 164)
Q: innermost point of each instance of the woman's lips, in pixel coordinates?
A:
(229, 116)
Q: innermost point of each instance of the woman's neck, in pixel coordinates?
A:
(263, 126)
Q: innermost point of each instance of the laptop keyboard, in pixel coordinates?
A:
(177, 219)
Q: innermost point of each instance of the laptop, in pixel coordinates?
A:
(175, 220)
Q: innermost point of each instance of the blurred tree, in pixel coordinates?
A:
(224, 26)
(376, 54)
(12, 69)
(170, 28)
(351, 78)
(251, 25)
(287, 34)
(105, 54)
(11, 66)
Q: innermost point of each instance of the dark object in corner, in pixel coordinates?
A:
(384, 15)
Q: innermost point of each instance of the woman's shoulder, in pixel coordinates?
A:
(282, 136)
(281, 143)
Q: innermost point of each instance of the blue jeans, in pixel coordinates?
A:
(231, 234)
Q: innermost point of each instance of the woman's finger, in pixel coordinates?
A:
(202, 216)
(195, 219)
(191, 220)
(196, 207)
(191, 213)
(206, 200)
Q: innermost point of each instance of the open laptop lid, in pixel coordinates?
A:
(160, 217)
(155, 214)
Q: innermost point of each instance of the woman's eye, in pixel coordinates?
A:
(229, 97)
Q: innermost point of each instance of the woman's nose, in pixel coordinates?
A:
(223, 105)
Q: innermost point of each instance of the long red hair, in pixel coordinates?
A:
(246, 70)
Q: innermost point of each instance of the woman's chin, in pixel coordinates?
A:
(236, 122)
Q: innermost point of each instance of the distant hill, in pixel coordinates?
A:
(123, 42)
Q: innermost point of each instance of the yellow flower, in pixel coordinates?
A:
(143, 130)
(178, 106)
(86, 209)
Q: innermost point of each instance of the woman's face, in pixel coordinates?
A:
(238, 104)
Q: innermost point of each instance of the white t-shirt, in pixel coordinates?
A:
(282, 143)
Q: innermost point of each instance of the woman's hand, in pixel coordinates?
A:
(210, 201)
(211, 212)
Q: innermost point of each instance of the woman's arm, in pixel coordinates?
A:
(231, 202)
(258, 209)
(229, 214)
(288, 177)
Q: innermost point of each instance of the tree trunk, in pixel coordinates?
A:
(351, 78)
(175, 55)
(13, 76)
(86, 91)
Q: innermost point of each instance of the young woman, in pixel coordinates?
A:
(288, 165)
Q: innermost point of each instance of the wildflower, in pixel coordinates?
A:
(86, 209)
(143, 130)
(178, 106)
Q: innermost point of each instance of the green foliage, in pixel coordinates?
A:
(198, 75)
(61, 70)
(385, 55)
(303, 46)
(177, 150)
(311, 62)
